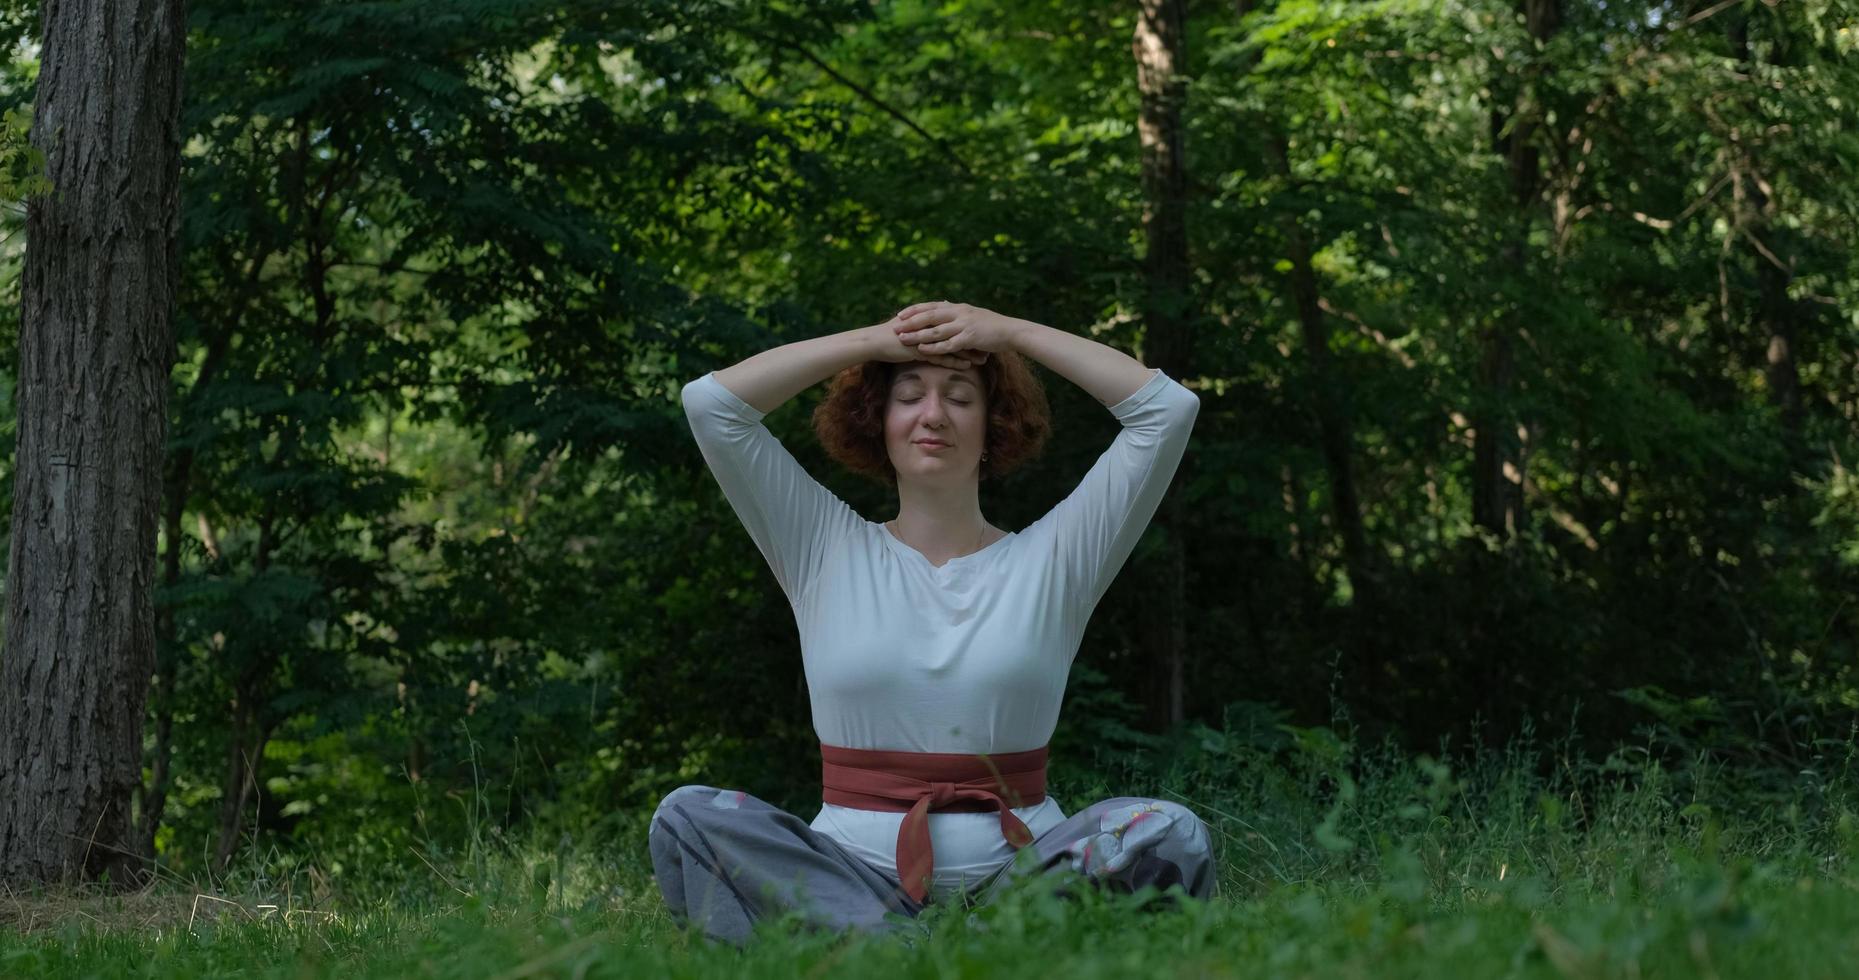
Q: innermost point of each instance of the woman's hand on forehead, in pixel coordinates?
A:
(944, 328)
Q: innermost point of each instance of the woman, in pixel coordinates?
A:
(936, 645)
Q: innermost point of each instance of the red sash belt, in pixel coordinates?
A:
(921, 783)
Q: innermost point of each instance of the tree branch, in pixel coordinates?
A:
(863, 93)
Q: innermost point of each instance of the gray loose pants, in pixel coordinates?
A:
(725, 860)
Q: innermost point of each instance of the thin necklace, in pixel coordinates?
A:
(892, 524)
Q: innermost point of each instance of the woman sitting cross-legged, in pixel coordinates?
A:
(936, 645)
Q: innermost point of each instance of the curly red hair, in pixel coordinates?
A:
(850, 421)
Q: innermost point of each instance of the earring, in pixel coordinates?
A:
(984, 457)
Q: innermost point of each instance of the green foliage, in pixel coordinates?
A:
(438, 521)
(22, 165)
(1839, 511)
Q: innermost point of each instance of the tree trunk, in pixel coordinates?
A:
(95, 348)
(179, 485)
(1334, 430)
(1497, 501)
(1159, 48)
(251, 729)
(244, 756)
(1497, 460)
(167, 640)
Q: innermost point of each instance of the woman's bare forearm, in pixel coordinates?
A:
(1107, 373)
(768, 379)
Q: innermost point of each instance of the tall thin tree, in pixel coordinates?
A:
(1159, 48)
(95, 350)
(1498, 451)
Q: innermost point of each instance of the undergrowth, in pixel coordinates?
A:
(1334, 860)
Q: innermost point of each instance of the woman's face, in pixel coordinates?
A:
(935, 423)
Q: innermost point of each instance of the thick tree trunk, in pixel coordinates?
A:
(1497, 452)
(96, 346)
(1159, 49)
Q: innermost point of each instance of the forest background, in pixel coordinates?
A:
(1526, 337)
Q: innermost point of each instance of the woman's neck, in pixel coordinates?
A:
(942, 524)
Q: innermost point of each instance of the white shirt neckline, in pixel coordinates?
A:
(898, 544)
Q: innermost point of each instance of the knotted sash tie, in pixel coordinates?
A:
(921, 783)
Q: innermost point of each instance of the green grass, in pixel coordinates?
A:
(1700, 919)
(1332, 865)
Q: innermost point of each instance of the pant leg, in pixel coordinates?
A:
(725, 860)
(1122, 844)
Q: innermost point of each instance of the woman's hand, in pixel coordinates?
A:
(887, 347)
(940, 329)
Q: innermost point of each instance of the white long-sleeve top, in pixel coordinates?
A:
(969, 656)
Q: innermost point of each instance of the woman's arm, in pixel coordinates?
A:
(792, 519)
(941, 329)
(1110, 375)
(1097, 526)
(768, 379)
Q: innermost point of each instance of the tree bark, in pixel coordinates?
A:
(96, 347)
(1159, 49)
